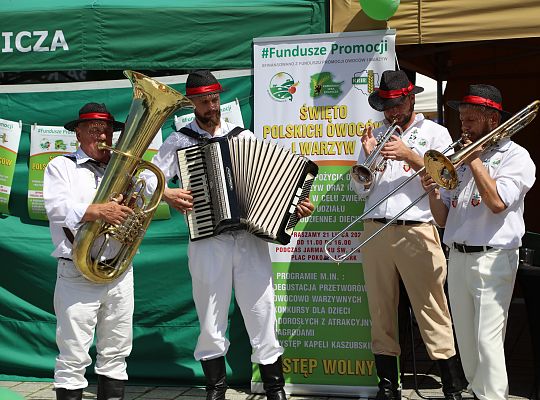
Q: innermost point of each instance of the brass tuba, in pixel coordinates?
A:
(153, 102)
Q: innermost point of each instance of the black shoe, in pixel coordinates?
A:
(216, 378)
(452, 378)
(387, 372)
(66, 394)
(109, 388)
(386, 392)
(273, 380)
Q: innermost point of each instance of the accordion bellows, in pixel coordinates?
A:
(244, 183)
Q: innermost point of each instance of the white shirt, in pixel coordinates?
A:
(470, 221)
(69, 187)
(166, 158)
(421, 136)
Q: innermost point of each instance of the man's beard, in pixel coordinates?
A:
(211, 119)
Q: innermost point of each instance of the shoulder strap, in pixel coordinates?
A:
(235, 131)
(202, 140)
(192, 134)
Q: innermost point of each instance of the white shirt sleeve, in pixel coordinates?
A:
(60, 205)
(515, 177)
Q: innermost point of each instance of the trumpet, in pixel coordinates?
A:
(443, 169)
(364, 173)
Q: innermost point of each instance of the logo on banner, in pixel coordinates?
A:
(282, 87)
(365, 81)
(3, 137)
(323, 84)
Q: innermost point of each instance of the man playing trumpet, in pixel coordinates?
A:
(409, 248)
(483, 220)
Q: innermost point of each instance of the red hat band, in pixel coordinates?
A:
(203, 89)
(482, 101)
(394, 94)
(97, 115)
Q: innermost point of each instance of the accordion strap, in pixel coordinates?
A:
(203, 140)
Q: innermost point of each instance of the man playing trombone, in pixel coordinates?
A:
(483, 220)
(410, 247)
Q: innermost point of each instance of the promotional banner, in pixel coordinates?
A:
(48, 142)
(311, 98)
(10, 135)
(230, 112)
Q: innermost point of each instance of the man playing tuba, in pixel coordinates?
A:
(83, 307)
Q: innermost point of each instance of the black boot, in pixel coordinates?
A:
(452, 378)
(387, 371)
(109, 388)
(273, 380)
(216, 378)
(65, 394)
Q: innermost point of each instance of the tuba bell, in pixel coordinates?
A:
(153, 102)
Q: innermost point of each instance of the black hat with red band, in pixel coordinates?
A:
(395, 86)
(94, 112)
(202, 83)
(481, 95)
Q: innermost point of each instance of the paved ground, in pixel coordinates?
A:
(429, 389)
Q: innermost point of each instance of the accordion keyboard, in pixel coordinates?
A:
(194, 178)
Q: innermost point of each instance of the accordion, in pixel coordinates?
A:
(244, 183)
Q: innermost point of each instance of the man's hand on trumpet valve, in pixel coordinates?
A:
(369, 142)
(395, 149)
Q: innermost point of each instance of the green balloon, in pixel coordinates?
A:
(6, 394)
(380, 10)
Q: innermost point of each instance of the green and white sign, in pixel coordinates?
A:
(311, 97)
(10, 136)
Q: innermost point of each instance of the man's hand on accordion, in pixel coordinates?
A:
(305, 208)
(180, 199)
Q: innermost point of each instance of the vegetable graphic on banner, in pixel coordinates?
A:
(48, 142)
(323, 318)
(10, 135)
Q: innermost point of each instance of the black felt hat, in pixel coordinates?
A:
(481, 95)
(93, 112)
(395, 85)
(201, 83)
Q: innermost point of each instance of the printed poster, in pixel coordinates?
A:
(10, 136)
(311, 98)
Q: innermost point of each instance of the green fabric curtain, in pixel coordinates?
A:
(166, 326)
(160, 34)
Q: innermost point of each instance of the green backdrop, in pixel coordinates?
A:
(166, 327)
(114, 35)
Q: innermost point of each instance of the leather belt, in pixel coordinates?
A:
(397, 222)
(462, 248)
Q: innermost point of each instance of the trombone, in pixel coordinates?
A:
(343, 257)
(443, 169)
